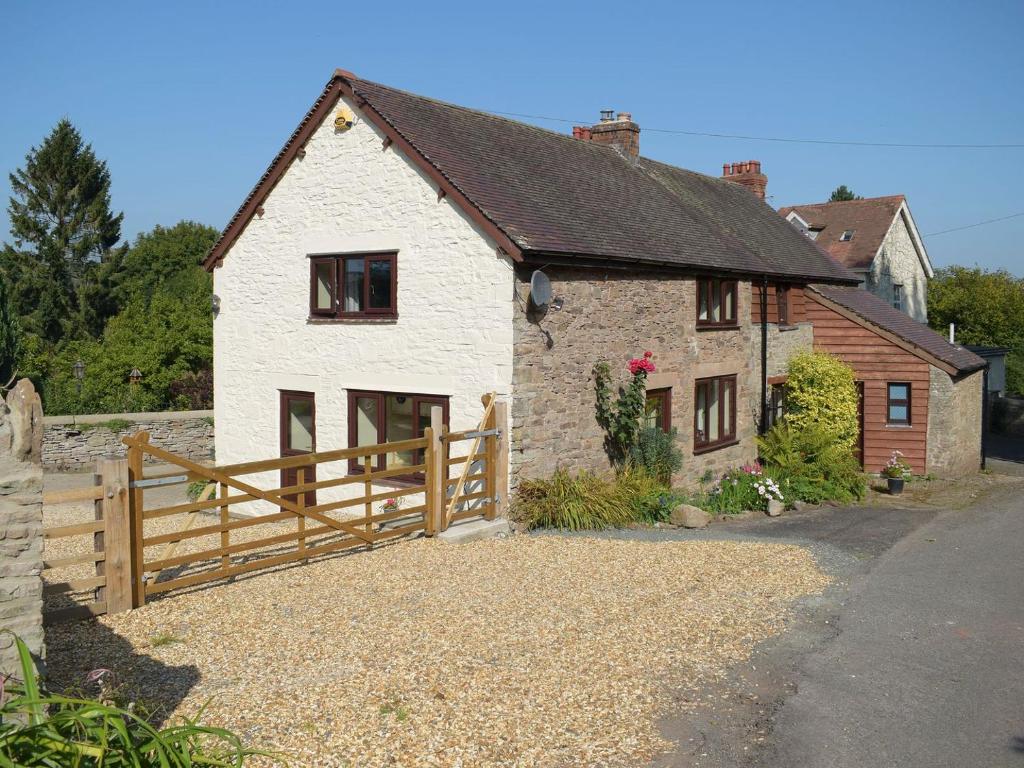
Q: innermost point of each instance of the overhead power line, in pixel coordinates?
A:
(743, 137)
(976, 224)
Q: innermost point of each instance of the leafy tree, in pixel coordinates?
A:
(842, 193)
(821, 390)
(62, 224)
(10, 336)
(165, 259)
(987, 308)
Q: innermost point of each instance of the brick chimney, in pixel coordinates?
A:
(748, 174)
(620, 132)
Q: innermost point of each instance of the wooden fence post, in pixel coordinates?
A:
(499, 472)
(135, 474)
(437, 489)
(116, 542)
(430, 456)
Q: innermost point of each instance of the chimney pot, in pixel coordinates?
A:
(747, 173)
(621, 132)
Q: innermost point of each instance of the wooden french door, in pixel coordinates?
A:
(298, 436)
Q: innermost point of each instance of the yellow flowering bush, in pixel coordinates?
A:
(821, 390)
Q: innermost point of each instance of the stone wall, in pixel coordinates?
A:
(614, 316)
(76, 442)
(954, 423)
(21, 524)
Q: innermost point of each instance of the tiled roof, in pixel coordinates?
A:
(551, 194)
(876, 312)
(869, 219)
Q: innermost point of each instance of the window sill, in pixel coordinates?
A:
(383, 320)
(898, 426)
(784, 328)
(714, 447)
(724, 327)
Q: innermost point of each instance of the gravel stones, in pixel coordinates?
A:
(528, 651)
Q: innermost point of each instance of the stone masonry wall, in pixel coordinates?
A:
(615, 316)
(898, 263)
(77, 442)
(954, 423)
(21, 524)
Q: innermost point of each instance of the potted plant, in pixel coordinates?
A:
(391, 505)
(896, 471)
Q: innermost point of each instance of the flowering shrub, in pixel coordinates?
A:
(621, 419)
(896, 466)
(739, 490)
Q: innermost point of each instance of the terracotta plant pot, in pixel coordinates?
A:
(895, 485)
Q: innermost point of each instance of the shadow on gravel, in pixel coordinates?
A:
(76, 650)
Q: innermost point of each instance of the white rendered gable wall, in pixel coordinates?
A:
(898, 263)
(453, 335)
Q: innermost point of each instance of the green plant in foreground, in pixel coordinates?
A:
(820, 389)
(657, 452)
(810, 464)
(621, 420)
(43, 729)
(589, 501)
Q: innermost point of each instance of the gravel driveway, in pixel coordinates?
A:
(528, 651)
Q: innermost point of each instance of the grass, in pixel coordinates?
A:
(394, 707)
(164, 638)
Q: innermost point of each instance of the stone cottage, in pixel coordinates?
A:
(382, 266)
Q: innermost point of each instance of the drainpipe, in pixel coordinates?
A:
(984, 414)
(764, 355)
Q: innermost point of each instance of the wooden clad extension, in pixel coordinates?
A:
(877, 361)
(797, 304)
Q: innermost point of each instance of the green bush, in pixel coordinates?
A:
(821, 389)
(589, 501)
(650, 499)
(44, 729)
(656, 451)
(810, 464)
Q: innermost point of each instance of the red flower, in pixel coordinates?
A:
(637, 364)
(648, 354)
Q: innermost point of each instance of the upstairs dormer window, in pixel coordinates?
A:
(847, 236)
(353, 285)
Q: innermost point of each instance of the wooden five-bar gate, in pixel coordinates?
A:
(236, 525)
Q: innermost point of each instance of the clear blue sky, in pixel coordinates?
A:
(188, 102)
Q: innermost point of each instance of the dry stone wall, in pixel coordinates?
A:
(21, 523)
(71, 443)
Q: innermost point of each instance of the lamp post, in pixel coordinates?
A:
(78, 369)
(133, 387)
(135, 377)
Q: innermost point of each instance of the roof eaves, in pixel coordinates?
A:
(901, 341)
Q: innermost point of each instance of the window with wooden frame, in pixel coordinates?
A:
(782, 304)
(897, 405)
(658, 409)
(716, 303)
(354, 285)
(714, 413)
(776, 404)
(389, 417)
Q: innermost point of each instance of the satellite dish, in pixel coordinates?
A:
(540, 289)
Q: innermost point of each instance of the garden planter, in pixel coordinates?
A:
(895, 485)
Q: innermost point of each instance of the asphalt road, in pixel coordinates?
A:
(927, 666)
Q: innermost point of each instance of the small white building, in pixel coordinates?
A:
(877, 239)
